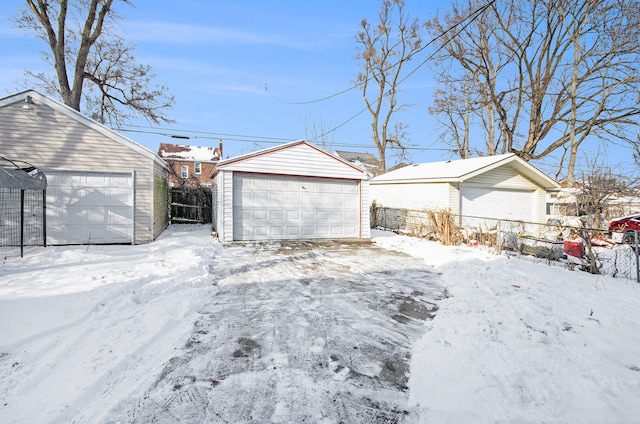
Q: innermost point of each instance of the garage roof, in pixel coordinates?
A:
(463, 169)
(74, 114)
(294, 158)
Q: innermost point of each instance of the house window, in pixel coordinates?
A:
(197, 168)
(184, 171)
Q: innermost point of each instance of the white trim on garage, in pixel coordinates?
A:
(283, 207)
(90, 207)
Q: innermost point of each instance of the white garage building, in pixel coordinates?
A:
(102, 188)
(499, 187)
(292, 191)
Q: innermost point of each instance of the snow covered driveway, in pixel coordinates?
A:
(187, 330)
(298, 332)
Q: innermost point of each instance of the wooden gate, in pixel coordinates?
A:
(190, 205)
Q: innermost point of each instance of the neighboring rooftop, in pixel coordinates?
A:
(366, 161)
(366, 158)
(190, 153)
(462, 169)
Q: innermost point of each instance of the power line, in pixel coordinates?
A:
(252, 138)
(472, 16)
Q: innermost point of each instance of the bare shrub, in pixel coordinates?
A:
(443, 225)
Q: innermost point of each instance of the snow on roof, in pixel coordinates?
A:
(451, 169)
(185, 152)
(460, 170)
(366, 158)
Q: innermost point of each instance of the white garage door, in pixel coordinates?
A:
(89, 207)
(517, 205)
(283, 207)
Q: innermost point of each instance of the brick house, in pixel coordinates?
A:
(189, 164)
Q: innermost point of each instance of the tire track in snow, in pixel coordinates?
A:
(297, 336)
(141, 366)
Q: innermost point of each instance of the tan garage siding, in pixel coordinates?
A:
(160, 199)
(49, 138)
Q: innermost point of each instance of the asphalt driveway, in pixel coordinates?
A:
(298, 333)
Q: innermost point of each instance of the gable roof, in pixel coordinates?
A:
(189, 153)
(366, 158)
(82, 119)
(262, 158)
(463, 169)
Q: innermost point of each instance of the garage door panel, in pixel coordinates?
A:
(89, 207)
(298, 207)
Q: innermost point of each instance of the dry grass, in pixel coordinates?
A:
(443, 225)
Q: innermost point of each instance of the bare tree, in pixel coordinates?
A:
(553, 72)
(93, 65)
(384, 49)
(317, 133)
(597, 187)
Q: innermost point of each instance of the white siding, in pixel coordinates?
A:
(540, 212)
(416, 196)
(225, 231)
(215, 202)
(302, 160)
(365, 203)
(454, 198)
(50, 139)
(502, 177)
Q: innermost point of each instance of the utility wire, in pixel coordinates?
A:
(473, 16)
(256, 139)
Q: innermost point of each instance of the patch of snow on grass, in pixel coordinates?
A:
(523, 342)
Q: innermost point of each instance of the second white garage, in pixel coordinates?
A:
(292, 191)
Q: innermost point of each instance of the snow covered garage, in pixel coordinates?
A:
(498, 187)
(102, 187)
(292, 191)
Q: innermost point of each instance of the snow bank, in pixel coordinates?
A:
(523, 342)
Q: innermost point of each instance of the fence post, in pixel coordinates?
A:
(22, 223)
(635, 233)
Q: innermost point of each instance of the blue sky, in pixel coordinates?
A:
(242, 71)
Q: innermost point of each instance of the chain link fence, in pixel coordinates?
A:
(593, 250)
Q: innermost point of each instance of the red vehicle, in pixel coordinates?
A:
(627, 225)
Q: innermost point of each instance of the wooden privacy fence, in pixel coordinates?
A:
(190, 205)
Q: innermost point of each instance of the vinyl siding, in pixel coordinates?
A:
(364, 207)
(502, 177)
(50, 139)
(226, 214)
(454, 198)
(416, 196)
(540, 213)
(217, 204)
(300, 160)
(160, 200)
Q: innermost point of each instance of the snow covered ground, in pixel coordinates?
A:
(107, 334)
